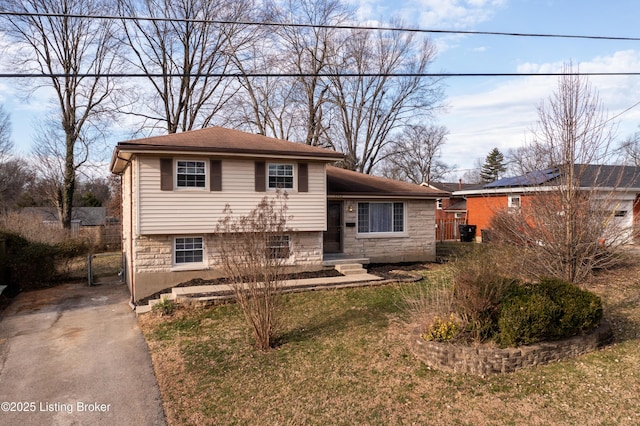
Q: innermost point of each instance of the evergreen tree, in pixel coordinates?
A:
(493, 167)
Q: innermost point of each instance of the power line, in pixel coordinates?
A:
(322, 26)
(293, 75)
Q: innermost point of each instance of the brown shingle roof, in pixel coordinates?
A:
(220, 140)
(348, 183)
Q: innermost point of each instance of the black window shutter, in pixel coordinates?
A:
(166, 174)
(215, 183)
(260, 176)
(303, 177)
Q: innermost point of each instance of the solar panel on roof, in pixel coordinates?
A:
(533, 178)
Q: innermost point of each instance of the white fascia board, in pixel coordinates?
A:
(535, 189)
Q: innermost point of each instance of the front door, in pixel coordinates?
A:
(332, 237)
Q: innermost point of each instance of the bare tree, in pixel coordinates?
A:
(252, 249)
(74, 55)
(51, 163)
(371, 103)
(413, 155)
(630, 150)
(187, 51)
(567, 224)
(15, 178)
(293, 107)
(6, 142)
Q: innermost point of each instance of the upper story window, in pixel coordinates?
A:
(280, 176)
(190, 174)
(439, 203)
(380, 217)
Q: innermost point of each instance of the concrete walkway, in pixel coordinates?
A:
(74, 355)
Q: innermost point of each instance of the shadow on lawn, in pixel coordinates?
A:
(620, 316)
(327, 324)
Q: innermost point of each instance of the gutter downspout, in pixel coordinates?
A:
(130, 242)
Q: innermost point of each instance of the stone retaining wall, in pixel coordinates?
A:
(487, 360)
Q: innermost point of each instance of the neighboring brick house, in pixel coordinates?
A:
(175, 187)
(510, 193)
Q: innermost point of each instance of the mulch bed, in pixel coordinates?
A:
(393, 271)
(199, 281)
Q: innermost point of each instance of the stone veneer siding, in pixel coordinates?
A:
(154, 269)
(484, 360)
(417, 244)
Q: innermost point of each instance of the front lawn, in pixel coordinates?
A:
(344, 359)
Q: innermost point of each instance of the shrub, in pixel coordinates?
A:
(442, 330)
(526, 317)
(581, 309)
(551, 309)
(17, 261)
(478, 288)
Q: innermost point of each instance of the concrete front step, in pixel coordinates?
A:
(350, 269)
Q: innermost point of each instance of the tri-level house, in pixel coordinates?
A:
(175, 188)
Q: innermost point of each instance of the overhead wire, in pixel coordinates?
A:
(323, 26)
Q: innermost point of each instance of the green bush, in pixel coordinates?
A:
(28, 265)
(581, 309)
(549, 310)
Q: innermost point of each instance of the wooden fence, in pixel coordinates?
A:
(448, 229)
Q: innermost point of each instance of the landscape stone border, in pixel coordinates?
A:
(485, 360)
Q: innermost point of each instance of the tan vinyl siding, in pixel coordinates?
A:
(191, 211)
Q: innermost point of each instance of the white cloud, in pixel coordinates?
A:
(501, 115)
(433, 14)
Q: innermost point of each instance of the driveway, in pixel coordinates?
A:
(74, 355)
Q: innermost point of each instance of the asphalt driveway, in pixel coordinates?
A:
(74, 355)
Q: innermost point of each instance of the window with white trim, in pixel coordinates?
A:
(278, 246)
(188, 250)
(280, 176)
(439, 203)
(514, 202)
(190, 174)
(380, 217)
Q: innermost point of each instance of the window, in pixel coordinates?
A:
(620, 213)
(514, 201)
(280, 176)
(190, 174)
(458, 215)
(189, 250)
(380, 217)
(439, 203)
(278, 246)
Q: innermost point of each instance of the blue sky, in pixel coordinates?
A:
(483, 113)
(498, 112)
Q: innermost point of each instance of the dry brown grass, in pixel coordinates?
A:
(344, 359)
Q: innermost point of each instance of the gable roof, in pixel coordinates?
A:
(220, 141)
(342, 182)
(453, 186)
(591, 176)
(87, 216)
